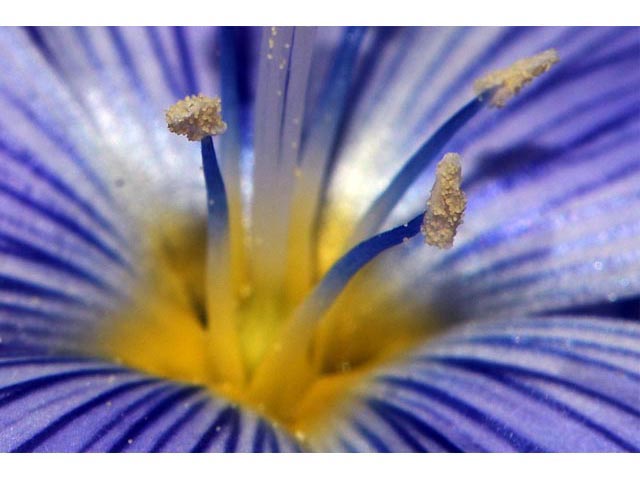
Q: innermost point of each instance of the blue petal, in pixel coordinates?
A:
(69, 404)
(529, 384)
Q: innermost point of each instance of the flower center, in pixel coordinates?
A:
(166, 332)
(263, 328)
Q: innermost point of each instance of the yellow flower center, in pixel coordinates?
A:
(165, 332)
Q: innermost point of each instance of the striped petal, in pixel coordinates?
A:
(529, 384)
(70, 405)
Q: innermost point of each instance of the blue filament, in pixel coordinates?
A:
(336, 279)
(419, 161)
(217, 207)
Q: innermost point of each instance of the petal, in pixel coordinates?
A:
(530, 384)
(71, 405)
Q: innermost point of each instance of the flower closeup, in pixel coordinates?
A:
(319, 239)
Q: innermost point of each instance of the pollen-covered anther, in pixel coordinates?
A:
(509, 81)
(446, 204)
(196, 117)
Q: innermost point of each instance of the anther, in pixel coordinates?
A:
(196, 117)
(509, 81)
(446, 204)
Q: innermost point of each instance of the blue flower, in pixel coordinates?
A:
(288, 301)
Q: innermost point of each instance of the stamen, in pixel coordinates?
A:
(509, 81)
(446, 204)
(196, 117)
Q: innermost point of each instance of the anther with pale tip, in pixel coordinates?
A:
(446, 204)
(507, 82)
(196, 117)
